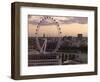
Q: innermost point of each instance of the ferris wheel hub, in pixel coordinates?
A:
(42, 49)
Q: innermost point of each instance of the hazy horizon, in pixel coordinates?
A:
(70, 26)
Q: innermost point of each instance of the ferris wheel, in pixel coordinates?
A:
(42, 49)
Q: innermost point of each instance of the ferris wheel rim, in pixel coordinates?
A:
(58, 28)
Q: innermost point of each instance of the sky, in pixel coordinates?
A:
(52, 25)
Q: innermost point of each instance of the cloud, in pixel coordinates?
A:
(45, 22)
(61, 20)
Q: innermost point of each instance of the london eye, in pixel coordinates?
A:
(42, 48)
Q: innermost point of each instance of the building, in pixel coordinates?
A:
(80, 36)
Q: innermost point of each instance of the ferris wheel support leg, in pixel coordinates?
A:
(43, 49)
(45, 45)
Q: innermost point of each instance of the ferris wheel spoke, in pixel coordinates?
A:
(42, 48)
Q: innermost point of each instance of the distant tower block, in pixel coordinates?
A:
(43, 35)
(80, 36)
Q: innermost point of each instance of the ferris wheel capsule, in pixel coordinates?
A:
(59, 28)
(60, 32)
(38, 27)
(35, 33)
(54, 20)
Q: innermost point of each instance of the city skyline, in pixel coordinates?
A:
(70, 26)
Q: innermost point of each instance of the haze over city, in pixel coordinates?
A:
(70, 26)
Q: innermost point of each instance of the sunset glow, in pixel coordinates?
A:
(70, 26)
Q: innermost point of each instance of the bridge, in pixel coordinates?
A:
(59, 58)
